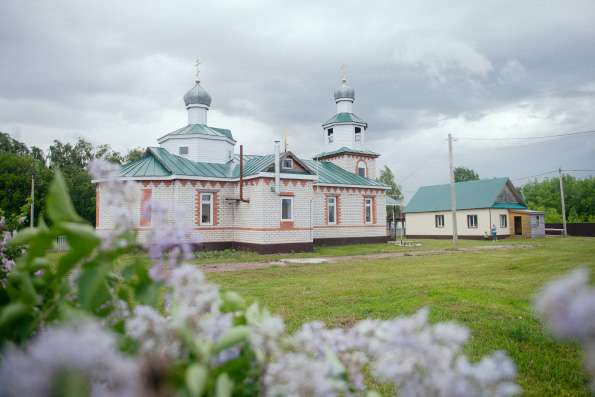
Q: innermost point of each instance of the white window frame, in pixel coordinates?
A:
(332, 199)
(368, 203)
(537, 217)
(329, 133)
(470, 223)
(285, 166)
(211, 206)
(290, 219)
(503, 217)
(183, 147)
(439, 221)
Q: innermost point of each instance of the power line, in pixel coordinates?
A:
(534, 176)
(528, 137)
(578, 170)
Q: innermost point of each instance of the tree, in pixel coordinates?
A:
(579, 198)
(388, 178)
(463, 174)
(134, 154)
(15, 187)
(10, 145)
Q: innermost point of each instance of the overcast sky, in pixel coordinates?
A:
(116, 71)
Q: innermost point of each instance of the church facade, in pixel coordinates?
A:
(277, 202)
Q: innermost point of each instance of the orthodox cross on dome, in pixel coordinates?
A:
(344, 73)
(197, 66)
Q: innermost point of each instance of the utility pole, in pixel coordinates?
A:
(565, 232)
(453, 193)
(32, 200)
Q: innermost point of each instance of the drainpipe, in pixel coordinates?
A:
(277, 169)
(242, 199)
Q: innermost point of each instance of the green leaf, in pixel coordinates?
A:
(232, 301)
(82, 240)
(93, 289)
(232, 337)
(23, 237)
(13, 313)
(20, 287)
(196, 379)
(224, 386)
(58, 204)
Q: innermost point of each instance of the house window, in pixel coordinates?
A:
(368, 209)
(472, 221)
(183, 150)
(329, 133)
(332, 210)
(358, 134)
(287, 209)
(287, 164)
(503, 221)
(206, 208)
(537, 219)
(361, 169)
(439, 221)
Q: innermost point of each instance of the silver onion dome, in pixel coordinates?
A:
(197, 96)
(344, 91)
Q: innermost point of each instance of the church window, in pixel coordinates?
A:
(330, 135)
(368, 209)
(361, 168)
(503, 221)
(206, 208)
(287, 164)
(358, 134)
(439, 221)
(183, 150)
(332, 210)
(287, 208)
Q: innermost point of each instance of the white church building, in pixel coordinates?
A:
(276, 202)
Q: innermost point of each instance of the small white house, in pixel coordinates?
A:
(481, 204)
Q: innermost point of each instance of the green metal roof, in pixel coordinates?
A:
(201, 129)
(158, 162)
(392, 202)
(344, 118)
(472, 194)
(346, 150)
(332, 174)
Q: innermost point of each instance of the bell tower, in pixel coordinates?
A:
(344, 129)
(344, 135)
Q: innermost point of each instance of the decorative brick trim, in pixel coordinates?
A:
(145, 207)
(291, 194)
(374, 210)
(338, 209)
(215, 204)
(286, 225)
(357, 163)
(197, 207)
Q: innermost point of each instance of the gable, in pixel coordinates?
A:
(297, 166)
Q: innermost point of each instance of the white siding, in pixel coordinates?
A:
(201, 149)
(423, 224)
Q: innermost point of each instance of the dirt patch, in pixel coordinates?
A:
(234, 267)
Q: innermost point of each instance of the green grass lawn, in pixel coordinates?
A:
(489, 292)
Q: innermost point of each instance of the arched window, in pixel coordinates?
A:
(362, 170)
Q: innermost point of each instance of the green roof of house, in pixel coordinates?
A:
(201, 129)
(344, 118)
(483, 193)
(158, 162)
(346, 150)
(332, 174)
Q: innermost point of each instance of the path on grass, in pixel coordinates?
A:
(233, 267)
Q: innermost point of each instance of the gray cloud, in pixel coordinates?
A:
(115, 72)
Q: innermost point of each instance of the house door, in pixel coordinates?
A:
(518, 225)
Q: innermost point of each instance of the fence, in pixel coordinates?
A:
(574, 229)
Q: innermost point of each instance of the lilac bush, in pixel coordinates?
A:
(567, 307)
(163, 329)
